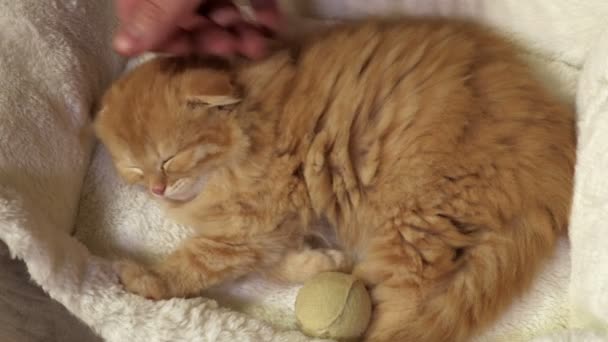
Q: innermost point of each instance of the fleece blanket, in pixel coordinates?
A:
(55, 62)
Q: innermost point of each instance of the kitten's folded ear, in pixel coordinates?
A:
(212, 88)
(212, 100)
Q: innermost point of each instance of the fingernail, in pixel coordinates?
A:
(123, 43)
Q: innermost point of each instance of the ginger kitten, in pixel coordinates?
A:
(441, 166)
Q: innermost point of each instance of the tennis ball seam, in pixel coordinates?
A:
(343, 305)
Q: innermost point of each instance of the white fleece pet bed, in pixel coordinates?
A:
(55, 62)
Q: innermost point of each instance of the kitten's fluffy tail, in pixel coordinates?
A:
(461, 303)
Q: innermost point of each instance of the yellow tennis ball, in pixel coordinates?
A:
(333, 305)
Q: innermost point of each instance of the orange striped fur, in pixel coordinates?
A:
(422, 152)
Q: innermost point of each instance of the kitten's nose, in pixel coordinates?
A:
(158, 189)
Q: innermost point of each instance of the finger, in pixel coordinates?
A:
(226, 16)
(193, 22)
(179, 45)
(267, 13)
(251, 43)
(152, 22)
(124, 8)
(215, 41)
(269, 18)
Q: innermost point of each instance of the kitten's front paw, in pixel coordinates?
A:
(139, 280)
(301, 265)
(342, 263)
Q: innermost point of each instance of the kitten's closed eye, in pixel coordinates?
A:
(188, 159)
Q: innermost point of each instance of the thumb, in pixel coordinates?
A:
(151, 23)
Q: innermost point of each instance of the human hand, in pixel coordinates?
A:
(200, 27)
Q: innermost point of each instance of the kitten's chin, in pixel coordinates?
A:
(185, 189)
